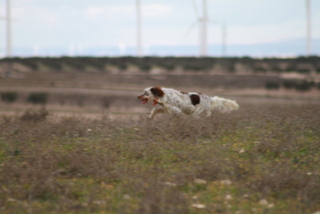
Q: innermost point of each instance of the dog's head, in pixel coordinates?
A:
(151, 94)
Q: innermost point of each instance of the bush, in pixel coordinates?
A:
(260, 69)
(272, 85)
(32, 116)
(107, 101)
(122, 66)
(52, 63)
(303, 71)
(288, 84)
(303, 86)
(9, 97)
(38, 98)
(31, 63)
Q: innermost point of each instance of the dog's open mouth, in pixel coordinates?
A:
(143, 98)
(144, 101)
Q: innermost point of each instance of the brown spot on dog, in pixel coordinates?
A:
(157, 91)
(195, 99)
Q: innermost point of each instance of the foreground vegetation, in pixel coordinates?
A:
(260, 159)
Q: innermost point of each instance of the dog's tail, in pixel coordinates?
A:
(223, 104)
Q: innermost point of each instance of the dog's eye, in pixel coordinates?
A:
(146, 93)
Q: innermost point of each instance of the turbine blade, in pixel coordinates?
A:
(190, 29)
(195, 8)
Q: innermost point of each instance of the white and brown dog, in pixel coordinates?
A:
(181, 103)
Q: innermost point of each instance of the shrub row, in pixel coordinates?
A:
(299, 64)
(9, 97)
(301, 85)
(62, 99)
(34, 98)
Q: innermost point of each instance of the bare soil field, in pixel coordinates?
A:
(94, 93)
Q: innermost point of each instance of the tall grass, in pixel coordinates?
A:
(259, 159)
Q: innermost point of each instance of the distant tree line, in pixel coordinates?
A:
(34, 98)
(298, 85)
(146, 64)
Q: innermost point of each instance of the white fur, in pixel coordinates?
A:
(177, 103)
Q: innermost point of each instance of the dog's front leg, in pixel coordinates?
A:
(155, 111)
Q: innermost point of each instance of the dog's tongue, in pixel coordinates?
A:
(144, 101)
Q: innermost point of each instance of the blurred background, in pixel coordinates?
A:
(96, 56)
(257, 28)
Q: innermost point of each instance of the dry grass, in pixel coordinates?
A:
(260, 159)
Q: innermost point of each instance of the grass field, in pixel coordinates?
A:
(263, 158)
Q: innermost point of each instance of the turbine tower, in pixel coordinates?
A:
(203, 30)
(139, 34)
(224, 40)
(308, 39)
(8, 28)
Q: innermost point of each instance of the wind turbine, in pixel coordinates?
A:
(308, 38)
(139, 34)
(202, 21)
(8, 26)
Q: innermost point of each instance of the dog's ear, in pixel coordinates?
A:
(157, 91)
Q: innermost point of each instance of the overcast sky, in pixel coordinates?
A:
(88, 23)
